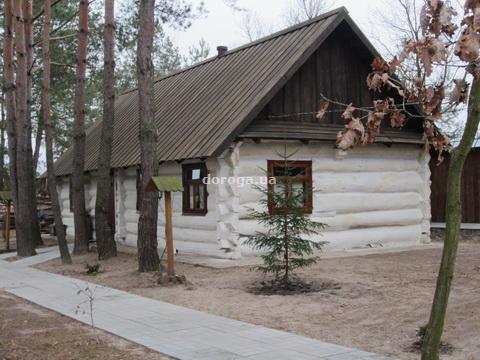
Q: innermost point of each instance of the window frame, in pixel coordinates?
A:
(305, 179)
(186, 171)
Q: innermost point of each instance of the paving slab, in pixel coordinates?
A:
(170, 329)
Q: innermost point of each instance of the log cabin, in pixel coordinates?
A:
(229, 116)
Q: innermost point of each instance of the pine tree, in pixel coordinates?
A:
(283, 215)
(79, 211)
(52, 181)
(104, 233)
(148, 259)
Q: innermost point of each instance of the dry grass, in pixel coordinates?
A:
(29, 332)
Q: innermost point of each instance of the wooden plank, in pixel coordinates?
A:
(470, 188)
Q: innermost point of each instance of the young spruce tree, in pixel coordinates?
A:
(286, 225)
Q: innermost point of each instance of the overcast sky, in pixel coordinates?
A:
(222, 25)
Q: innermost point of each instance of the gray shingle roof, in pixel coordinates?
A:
(201, 109)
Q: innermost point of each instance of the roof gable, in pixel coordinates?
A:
(202, 109)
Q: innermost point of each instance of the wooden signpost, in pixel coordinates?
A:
(167, 185)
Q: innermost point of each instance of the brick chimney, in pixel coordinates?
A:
(222, 50)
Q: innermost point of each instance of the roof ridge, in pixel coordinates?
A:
(250, 44)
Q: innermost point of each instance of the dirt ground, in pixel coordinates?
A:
(382, 299)
(30, 332)
(47, 241)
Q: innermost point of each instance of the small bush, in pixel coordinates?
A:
(420, 333)
(285, 242)
(93, 269)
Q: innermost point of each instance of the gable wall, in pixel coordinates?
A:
(338, 70)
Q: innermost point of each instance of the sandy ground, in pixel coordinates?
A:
(383, 297)
(30, 332)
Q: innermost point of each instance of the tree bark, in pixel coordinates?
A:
(103, 231)
(38, 145)
(3, 176)
(79, 211)
(52, 184)
(10, 103)
(24, 214)
(148, 259)
(433, 335)
(28, 15)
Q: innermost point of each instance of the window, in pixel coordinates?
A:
(194, 190)
(291, 176)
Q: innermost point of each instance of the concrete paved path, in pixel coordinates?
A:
(169, 329)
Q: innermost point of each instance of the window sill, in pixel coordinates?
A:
(203, 213)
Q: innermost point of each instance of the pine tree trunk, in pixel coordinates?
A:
(103, 231)
(9, 90)
(78, 196)
(24, 214)
(286, 256)
(52, 184)
(148, 259)
(38, 144)
(28, 15)
(433, 335)
(3, 176)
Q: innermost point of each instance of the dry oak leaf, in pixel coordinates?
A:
(474, 69)
(476, 19)
(348, 113)
(397, 60)
(324, 104)
(468, 46)
(385, 105)
(373, 126)
(352, 135)
(434, 137)
(432, 99)
(436, 17)
(398, 119)
(376, 80)
(460, 92)
(429, 50)
(471, 5)
(378, 64)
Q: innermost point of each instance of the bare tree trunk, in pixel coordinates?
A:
(433, 335)
(38, 144)
(52, 184)
(103, 231)
(28, 15)
(10, 103)
(38, 136)
(78, 196)
(148, 259)
(3, 176)
(24, 214)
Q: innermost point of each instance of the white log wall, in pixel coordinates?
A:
(63, 188)
(194, 234)
(370, 195)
